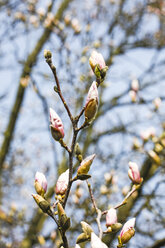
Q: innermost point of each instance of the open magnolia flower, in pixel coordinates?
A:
(40, 183)
(91, 102)
(62, 183)
(57, 128)
(127, 231)
(134, 173)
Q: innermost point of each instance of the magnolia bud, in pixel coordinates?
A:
(96, 59)
(127, 231)
(85, 165)
(40, 183)
(57, 128)
(47, 54)
(96, 242)
(62, 183)
(133, 95)
(134, 173)
(87, 229)
(111, 217)
(154, 157)
(157, 102)
(135, 85)
(42, 203)
(91, 102)
(64, 221)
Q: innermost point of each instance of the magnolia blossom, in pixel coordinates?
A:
(57, 127)
(96, 59)
(133, 95)
(91, 102)
(157, 102)
(127, 231)
(111, 217)
(85, 164)
(96, 242)
(62, 183)
(148, 133)
(40, 182)
(134, 173)
(135, 85)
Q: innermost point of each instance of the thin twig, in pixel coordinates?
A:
(53, 69)
(98, 211)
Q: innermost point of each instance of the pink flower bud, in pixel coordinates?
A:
(62, 183)
(111, 217)
(57, 128)
(85, 165)
(134, 173)
(135, 85)
(96, 242)
(133, 95)
(96, 59)
(40, 183)
(127, 231)
(91, 102)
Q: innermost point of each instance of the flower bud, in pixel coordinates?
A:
(96, 242)
(96, 59)
(91, 102)
(47, 54)
(157, 102)
(111, 217)
(127, 231)
(62, 183)
(42, 203)
(87, 229)
(40, 183)
(85, 165)
(133, 95)
(134, 173)
(135, 85)
(57, 128)
(64, 221)
(154, 157)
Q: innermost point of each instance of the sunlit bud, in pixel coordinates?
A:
(96, 242)
(134, 173)
(136, 143)
(40, 183)
(96, 59)
(34, 21)
(91, 102)
(148, 133)
(41, 12)
(135, 85)
(158, 148)
(64, 221)
(41, 202)
(154, 156)
(76, 25)
(62, 183)
(67, 19)
(57, 128)
(47, 54)
(77, 246)
(133, 95)
(108, 177)
(85, 165)
(103, 189)
(111, 217)
(20, 16)
(127, 231)
(157, 102)
(87, 229)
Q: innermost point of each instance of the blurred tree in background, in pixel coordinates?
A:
(129, 125)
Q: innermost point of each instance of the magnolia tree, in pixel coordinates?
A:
(65, 181)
